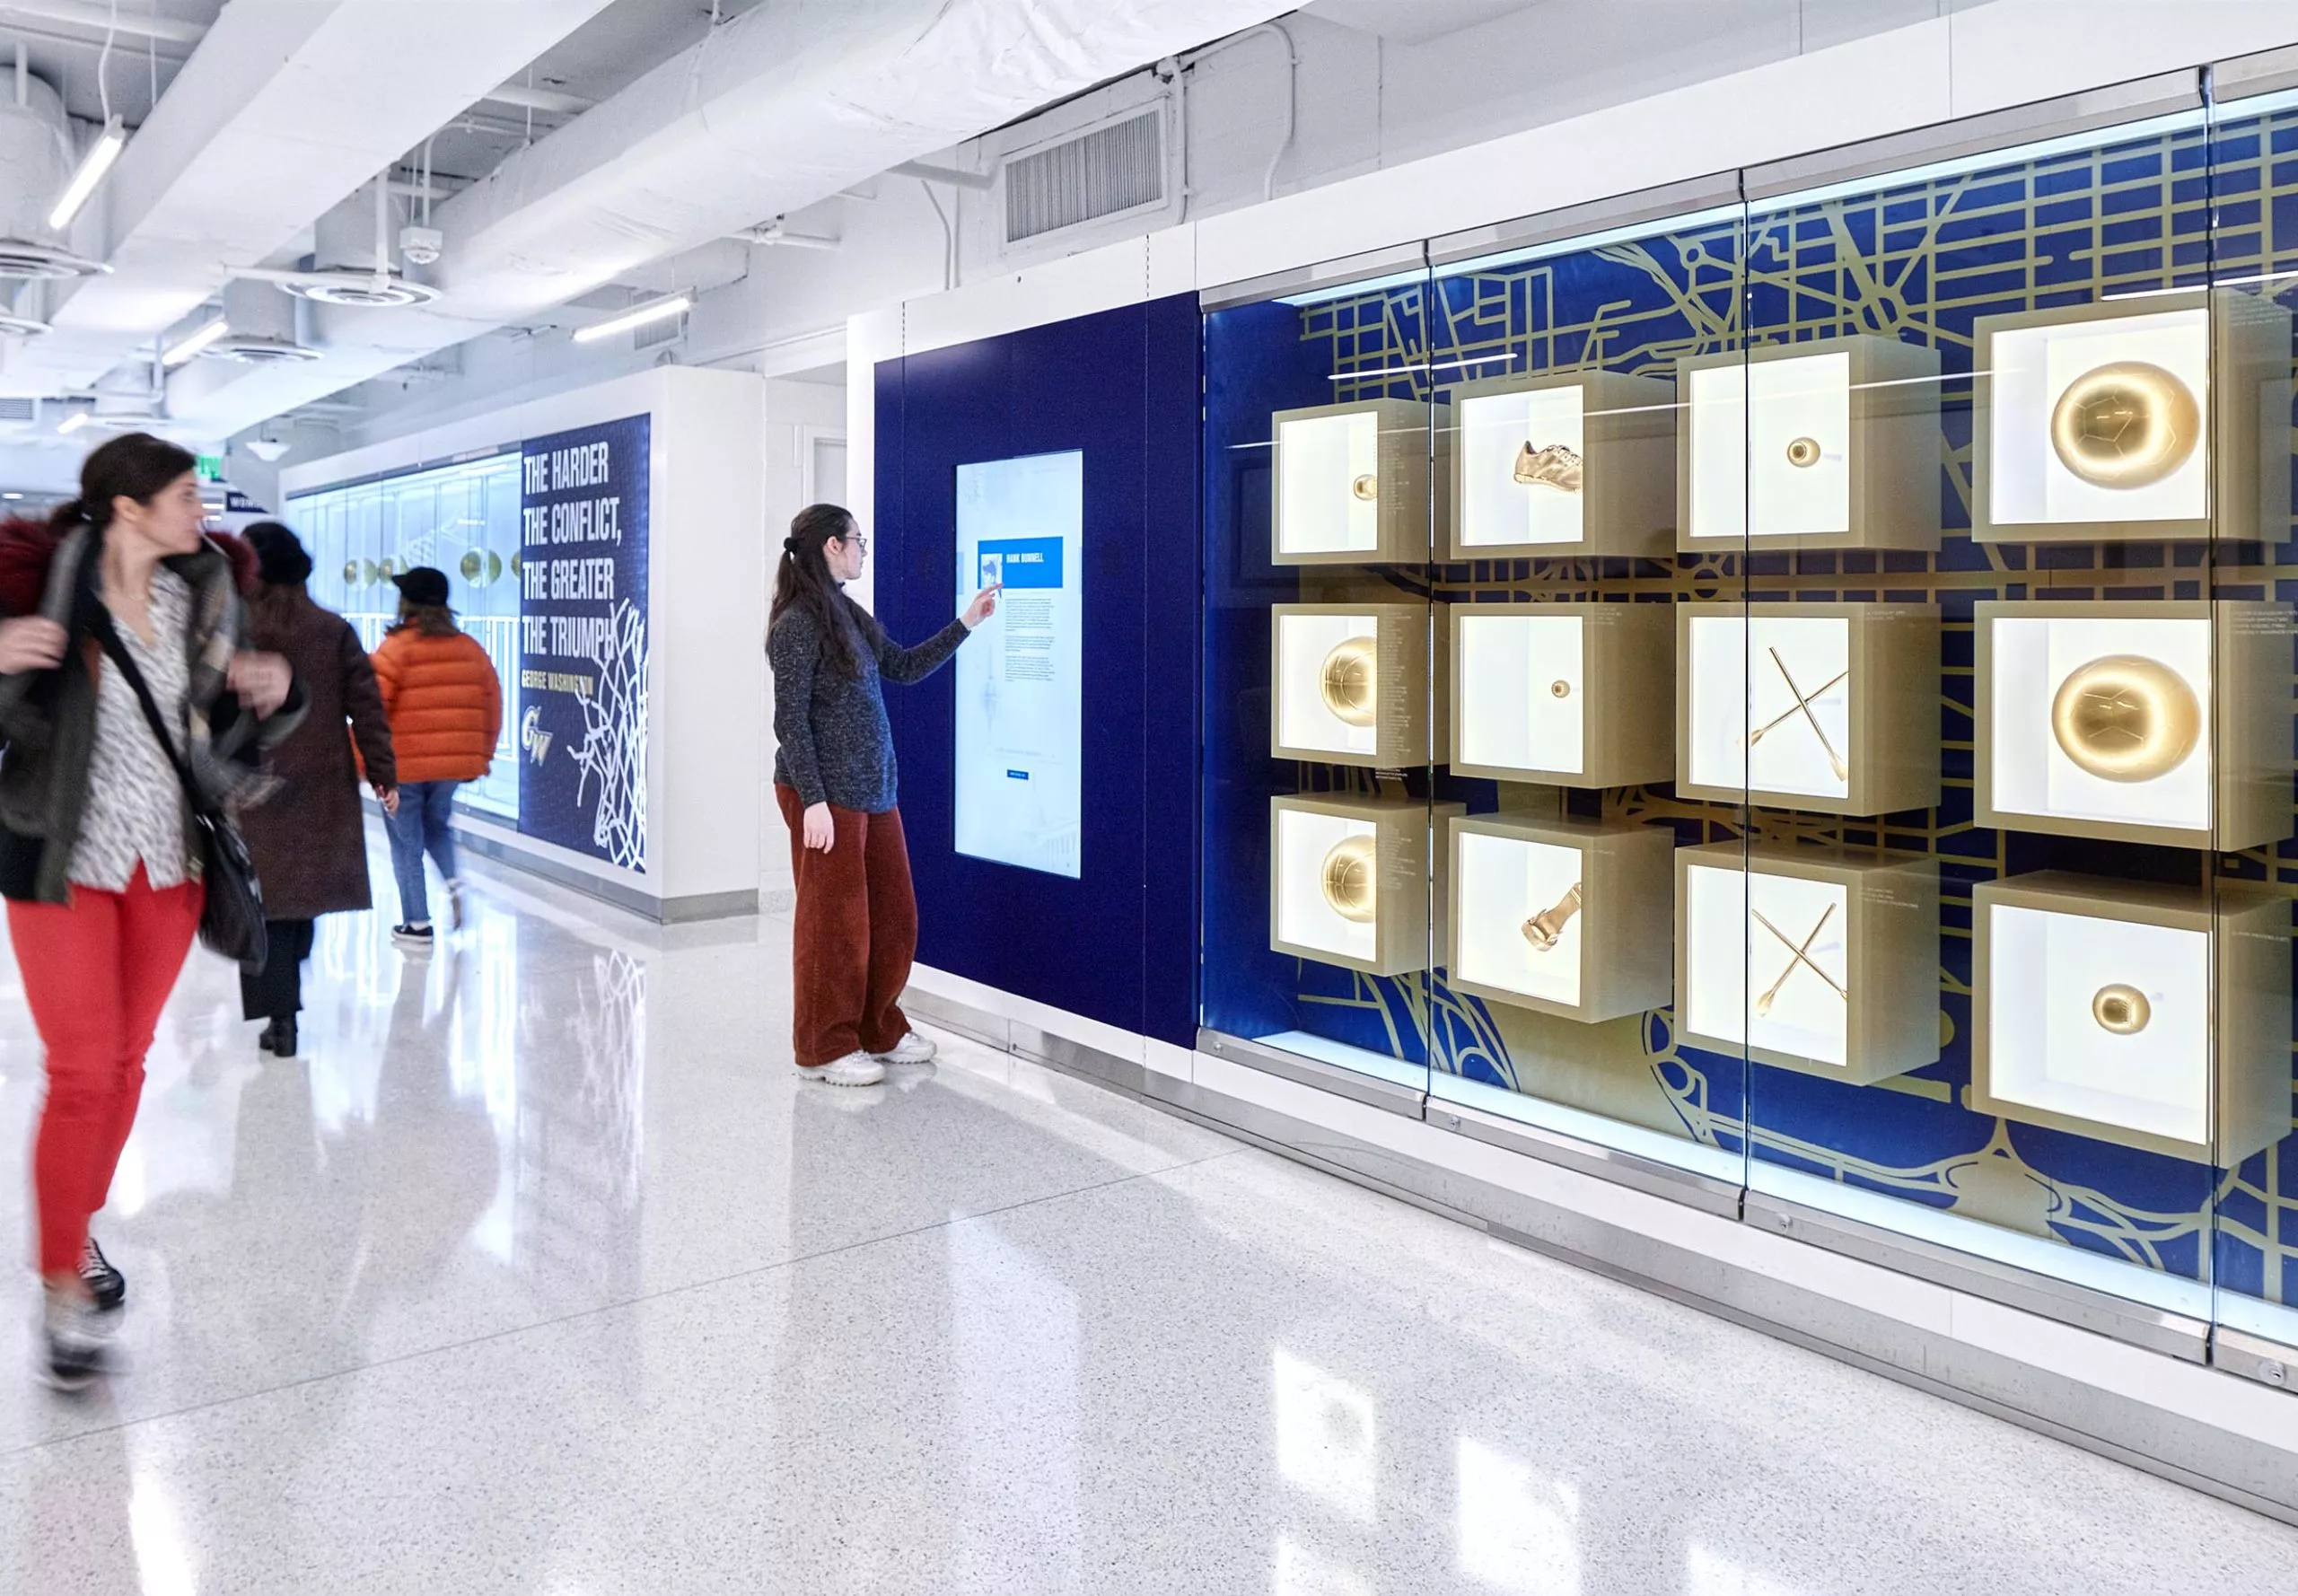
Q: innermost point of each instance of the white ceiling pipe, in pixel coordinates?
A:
(127, 20)
(288, 108)
(542, 100)
(783, 107)
(980, 182)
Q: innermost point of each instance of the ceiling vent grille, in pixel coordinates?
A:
(654, 335)
(1120, 167)
(17, 411)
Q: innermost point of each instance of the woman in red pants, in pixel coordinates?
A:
(97, 857)
(834, 777)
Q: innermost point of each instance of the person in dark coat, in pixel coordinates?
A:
(309, 842)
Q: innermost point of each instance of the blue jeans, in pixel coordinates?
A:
(420, 827)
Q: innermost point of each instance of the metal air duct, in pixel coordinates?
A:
(36, 162)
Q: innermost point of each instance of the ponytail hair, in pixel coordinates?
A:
(802, 581)
(132, 466)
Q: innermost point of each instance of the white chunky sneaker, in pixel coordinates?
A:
(70, 1345)
(855, 1069)
(913, 1048)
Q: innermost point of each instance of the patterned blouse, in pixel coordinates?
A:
(135, 811)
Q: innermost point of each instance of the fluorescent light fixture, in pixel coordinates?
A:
(179, 354)
(77, 420)
(11, 496)
(678, 304)
(97, 161)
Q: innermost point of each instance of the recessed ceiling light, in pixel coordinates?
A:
(661, 310)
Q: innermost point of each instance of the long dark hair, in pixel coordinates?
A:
(429, 621)
(132, 466)
(803, 581)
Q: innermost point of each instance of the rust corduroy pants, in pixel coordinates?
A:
(856, 934)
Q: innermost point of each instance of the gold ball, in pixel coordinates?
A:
(1351, 882)
(473, 564)
(2120, 1009)
(2127, 718)
(2126, 425)
(1803, 452)
(351, 572)
(1368, 487)
(1347, 679)
(1559, 688)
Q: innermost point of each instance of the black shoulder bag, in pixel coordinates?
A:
(231, 921)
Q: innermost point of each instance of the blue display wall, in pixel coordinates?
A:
(2187, 202)
(1119, 943)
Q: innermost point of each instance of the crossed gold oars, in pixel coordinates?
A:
(1803, 709)
(1799, 954)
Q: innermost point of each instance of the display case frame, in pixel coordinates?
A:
(1410, 722)
(1890, 458)
(1407, 925)
(1890, 987)
(1619, 681)
(1409, 463)
(1617, 927)
(1626, 429)
(2243, 354)
(1890, 761)
(2239, 1017)
(2245, 732)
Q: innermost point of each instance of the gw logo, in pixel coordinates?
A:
(531, 736)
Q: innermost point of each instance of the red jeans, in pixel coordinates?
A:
(96, 972)
(857, 932)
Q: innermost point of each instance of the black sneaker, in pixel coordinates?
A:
(107, 1284)
(71, 1347)
(412, 936)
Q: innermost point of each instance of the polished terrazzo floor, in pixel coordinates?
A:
(540, 1273)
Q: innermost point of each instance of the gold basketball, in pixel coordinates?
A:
(1803, 452)
(1368, 487)
(474, 566)
(2125, 717)
(2120, 1009)
(1347, 678)
(1351, 884)
(2126, 425)
(1559, 688)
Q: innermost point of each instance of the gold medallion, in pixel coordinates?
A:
(1347, 678)
(1803, 452)
(1350, 883)
(1554, 466)
(2120, 1009)
(1559, 688)
(2126, 425)
(1366, 488)
(2125, 718)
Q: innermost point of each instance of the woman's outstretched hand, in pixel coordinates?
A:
(984, 605)
(816, 828)
(262, 682)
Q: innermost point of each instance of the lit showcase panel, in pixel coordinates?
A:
(1350, 881)
(1351, 484)
(2099, 719)
(2097, 1016)
(1576, 694)
(1577, 464)
(1569, 918)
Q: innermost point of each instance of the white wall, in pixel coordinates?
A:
(796, 414)
(706, 675)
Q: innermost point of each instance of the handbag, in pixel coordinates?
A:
(231, 920)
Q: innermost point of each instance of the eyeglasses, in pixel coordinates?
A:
(857, 542)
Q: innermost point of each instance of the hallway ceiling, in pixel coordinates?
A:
(572, 142)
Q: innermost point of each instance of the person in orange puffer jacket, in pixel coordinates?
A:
(445, 704)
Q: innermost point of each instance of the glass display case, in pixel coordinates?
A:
(462, 519)
(1834, 674)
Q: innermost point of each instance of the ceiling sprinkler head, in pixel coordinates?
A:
(422, 246)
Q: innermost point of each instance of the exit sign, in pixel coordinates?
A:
(211, 468)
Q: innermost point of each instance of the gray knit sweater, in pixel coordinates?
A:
(836, 746)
